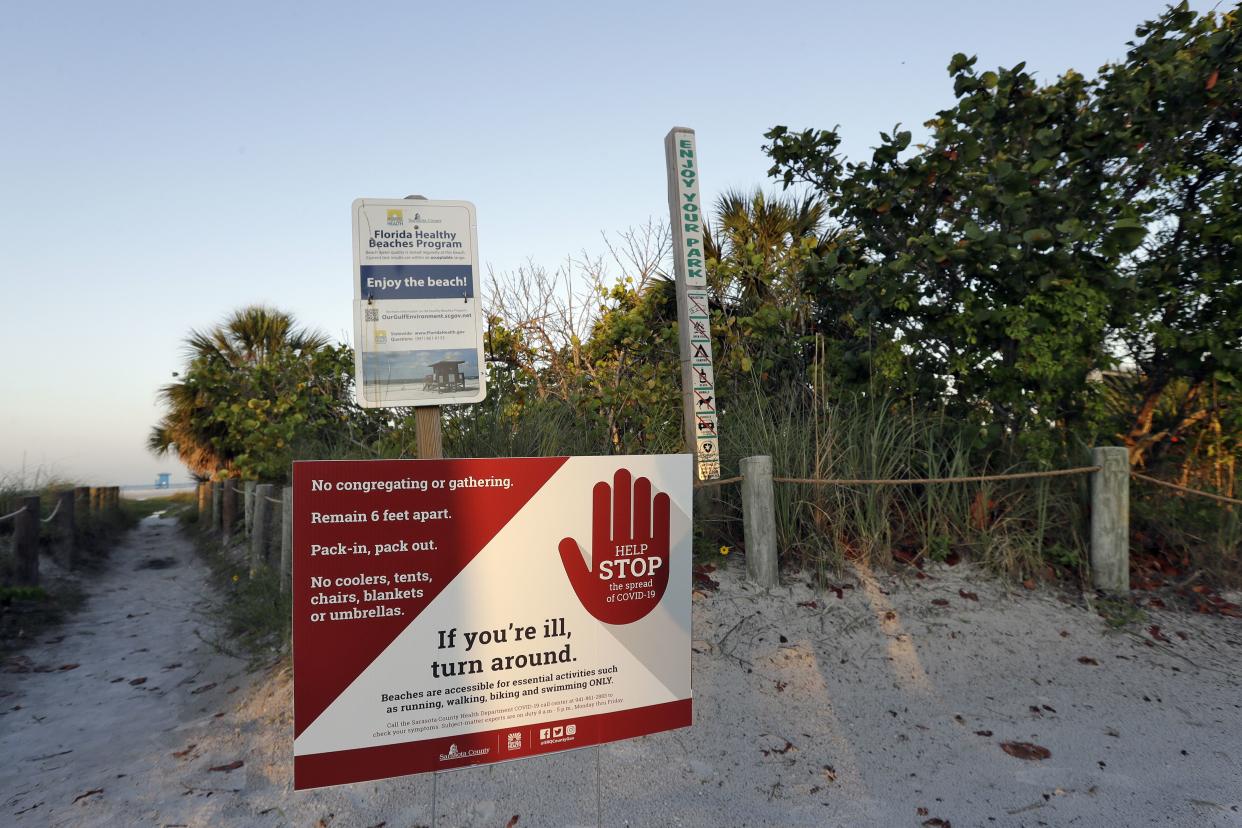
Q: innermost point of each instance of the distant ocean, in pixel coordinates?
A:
(148, 490)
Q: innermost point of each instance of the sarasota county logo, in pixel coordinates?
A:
(396, 218)
(454, 753)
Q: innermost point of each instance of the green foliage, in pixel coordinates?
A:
(981, 252)
(539, 428)
(763, 319)
(629, 382)
(1010, 526)
(1175, 104)
(255, 617)
(1120, 613)
(9, 594)
(1039, 225)
(1192, 533)
(618, 392)
(253, 389)
(1056, 264)
(26, 612)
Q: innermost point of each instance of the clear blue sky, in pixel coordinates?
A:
(162, 164)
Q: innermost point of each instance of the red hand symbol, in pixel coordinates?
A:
(629, 553)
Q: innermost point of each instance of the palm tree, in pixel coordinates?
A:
(756, 234)
(248, 337)
(252, 334)
(177, 431)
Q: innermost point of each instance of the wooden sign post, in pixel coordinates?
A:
(427, 432)
(698, 377)
(430, 443)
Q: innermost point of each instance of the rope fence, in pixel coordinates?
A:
(979, 478)
(13, 514)
(48, 519)
(906, 481)
(1176, 487)
(1110, 495)
(710, 484)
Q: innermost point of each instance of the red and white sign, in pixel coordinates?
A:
(460, 612)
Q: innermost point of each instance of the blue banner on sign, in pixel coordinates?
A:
(417, 282)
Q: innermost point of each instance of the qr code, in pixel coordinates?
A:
(371, 314)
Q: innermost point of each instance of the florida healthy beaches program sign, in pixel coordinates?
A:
(450, 613)
(418, 329)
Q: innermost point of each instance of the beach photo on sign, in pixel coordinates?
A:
(415, 374)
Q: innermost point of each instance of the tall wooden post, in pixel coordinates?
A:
(1110, 519)
(698, 378)
(26, 543)
(759, 521)
(427, 417)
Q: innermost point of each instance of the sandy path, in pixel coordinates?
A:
(143, 675)
(885, 706)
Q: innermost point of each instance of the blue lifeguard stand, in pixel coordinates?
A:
(163, 480)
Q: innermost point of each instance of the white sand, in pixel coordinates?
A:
(857, 717)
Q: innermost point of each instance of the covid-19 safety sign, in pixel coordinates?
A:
(418, 329)
(458, 612)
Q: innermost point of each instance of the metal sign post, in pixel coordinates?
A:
(698, 377)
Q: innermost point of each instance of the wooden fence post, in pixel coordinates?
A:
(96, 500)
(217, 505)
(1110, 519)
(82, 517)
(204, 503)
(26, 543)
(228, 511)
(82, 502)
(759, 521)
(66, 528)
(248, 489)
(286, 538)
(260, 526)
